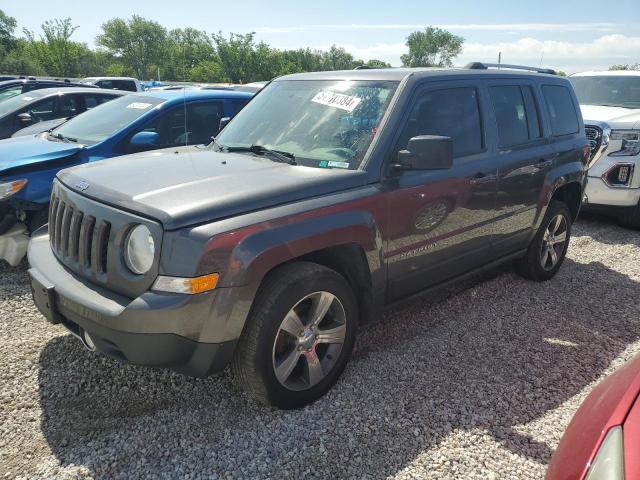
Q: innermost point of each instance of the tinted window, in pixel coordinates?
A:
(68, 106)
(127, 85)
(516, 115)
(203, 120)
(511, 118)
(10, 92)
(533, 120)
(41, 111)
(451, 113)
(564, 119)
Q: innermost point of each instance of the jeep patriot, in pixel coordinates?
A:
(328, 197)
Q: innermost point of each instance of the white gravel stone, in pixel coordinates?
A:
(476, 383)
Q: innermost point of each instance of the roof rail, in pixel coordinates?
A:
(486, 66)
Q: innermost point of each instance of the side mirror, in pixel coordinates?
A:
(223, 123)
(142, 141)
(25, 119)
(426, 152)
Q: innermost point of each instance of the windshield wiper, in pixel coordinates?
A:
(60, 136)
(277, 155)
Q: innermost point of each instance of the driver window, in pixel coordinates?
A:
(42, 111)
(202, 122)
(451, 112)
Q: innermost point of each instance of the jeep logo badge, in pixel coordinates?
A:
(82, 186)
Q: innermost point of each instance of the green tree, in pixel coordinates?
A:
(55, 50)
(187, 48)
(236, 56)
(337, 58)
(432, 47)
(7, 27)
(139, 43)
(633, 66)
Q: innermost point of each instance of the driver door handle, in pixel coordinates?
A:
(482, 178)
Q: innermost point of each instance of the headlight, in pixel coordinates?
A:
(630, 142)
(609, 461)
(7, 189)
(139, 250)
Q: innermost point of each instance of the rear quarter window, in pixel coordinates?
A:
(562, 111)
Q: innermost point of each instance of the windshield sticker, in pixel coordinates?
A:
(139, 105)
(337, 100)
(339, 164)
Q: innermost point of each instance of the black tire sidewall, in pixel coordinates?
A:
(289, 294)
(533, 258)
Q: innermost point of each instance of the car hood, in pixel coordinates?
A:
(616, 117)
(39, 127)
(33, 150)
(191, 185)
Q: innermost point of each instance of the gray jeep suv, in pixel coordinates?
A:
(330, 196)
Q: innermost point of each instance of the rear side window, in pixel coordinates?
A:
(564, 119)
(451, 112)
(516, 114)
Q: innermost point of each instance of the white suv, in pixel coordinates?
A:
(610, 103)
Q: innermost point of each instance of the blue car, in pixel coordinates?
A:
(129, 124)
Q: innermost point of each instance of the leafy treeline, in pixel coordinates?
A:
(139, 47)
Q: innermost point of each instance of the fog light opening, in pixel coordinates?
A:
(88, 342)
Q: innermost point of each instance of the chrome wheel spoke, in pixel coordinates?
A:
(554, 256)
(560, 238)
(557, 223)
(545, 257)
(332, 335)
(314, 368)
(321, 305)
(285, 367)
(292, 324)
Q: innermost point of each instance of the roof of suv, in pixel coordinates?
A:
(398, 74)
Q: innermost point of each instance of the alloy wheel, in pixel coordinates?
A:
(309, 341)
(553, 242)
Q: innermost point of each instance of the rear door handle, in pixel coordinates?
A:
(482, 178)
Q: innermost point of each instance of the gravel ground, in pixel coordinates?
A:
(479, 383)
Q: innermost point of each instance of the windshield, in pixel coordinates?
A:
(101, 122)
(612, 91)
(323, 123)
(15, 102)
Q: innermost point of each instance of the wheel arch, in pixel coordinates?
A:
(571, 195)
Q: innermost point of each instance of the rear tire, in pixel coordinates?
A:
(290, 352)
(630, 217)
(548, 248)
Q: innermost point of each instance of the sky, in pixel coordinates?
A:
(563, 34)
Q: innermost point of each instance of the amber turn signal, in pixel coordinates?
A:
(190, 286)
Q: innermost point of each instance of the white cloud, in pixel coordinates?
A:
(568, 56)
(499, 27)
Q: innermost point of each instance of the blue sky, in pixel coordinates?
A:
(568, 35)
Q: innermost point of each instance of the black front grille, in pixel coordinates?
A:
(594, 135)
(77, 237)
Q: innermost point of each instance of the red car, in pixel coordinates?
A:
(603, 439)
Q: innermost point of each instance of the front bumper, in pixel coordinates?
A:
(155, 329)
(599, 193)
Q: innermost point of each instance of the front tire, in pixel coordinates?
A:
(299, 336)
(630, 217)
(548, 249)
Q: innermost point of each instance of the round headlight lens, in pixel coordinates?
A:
(139, 250)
